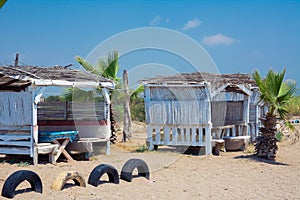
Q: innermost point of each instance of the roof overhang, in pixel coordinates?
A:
(17, 79)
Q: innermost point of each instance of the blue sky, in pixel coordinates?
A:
(240, 36)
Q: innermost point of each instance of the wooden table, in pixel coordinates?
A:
(62, 139)
(62, 143)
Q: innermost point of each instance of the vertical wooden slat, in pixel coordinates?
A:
(66, 110)
(194, 136)
(166, 133)
(157, 135)
(182, 134)
(149, 136)
(208, 147)
(235, 130)
(187, 135)
(174, 135)
(200, 136)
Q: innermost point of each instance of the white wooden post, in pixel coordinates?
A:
(34, 130)
(208, 146)
(149, 136)
(157, 135)
(246, 114)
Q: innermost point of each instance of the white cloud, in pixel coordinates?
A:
(158, 19)
(218, 39)
(155, 21)
(192, 24)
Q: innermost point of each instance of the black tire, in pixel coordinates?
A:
(130, 165)
(98, 171)
(62, 178)
(18, 177)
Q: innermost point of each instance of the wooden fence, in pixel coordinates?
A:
(72, 111)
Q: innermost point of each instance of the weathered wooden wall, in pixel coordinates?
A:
(227, 113)
(89, 118)
(71, 111)
(16, 123)
(15, 108)
(178, 115)
(177, 105)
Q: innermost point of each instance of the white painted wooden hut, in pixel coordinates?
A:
(21, 88)
(199, 109)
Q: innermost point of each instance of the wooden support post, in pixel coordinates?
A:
(157, 135)
(208, 146)
(17, 59)
(149, 137)
(127, 117)
(107, 151)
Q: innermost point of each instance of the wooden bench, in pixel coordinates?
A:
(85, 145)
(48, 148)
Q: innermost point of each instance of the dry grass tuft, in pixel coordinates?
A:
(250, 149)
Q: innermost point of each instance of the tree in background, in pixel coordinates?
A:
(275, 94)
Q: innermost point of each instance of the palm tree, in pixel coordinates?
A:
(275, 94)
(2, 3)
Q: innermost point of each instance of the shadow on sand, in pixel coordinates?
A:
(257, 159)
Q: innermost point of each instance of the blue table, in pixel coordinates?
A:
(62, 138)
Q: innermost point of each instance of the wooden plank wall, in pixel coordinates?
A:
(178, 116)
(15, 108)
(16, 123)
(177, 112)
(227, 112)
(71, 111)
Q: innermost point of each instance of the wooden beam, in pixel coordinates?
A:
(218, 90)
(9, 82)
(17, 59)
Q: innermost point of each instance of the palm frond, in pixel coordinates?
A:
(134, 94)
(87, 66)
(274, 92)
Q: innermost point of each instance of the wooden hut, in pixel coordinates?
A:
(199, 109)
(22, 116)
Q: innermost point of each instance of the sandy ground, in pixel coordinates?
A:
(173, 175)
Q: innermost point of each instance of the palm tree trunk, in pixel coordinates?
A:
(113, 137)
(127, 116)
(266, 143)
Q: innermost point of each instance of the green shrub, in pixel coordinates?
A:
(279, 136)
(294, 106)
(141, 148)
(137, 109)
